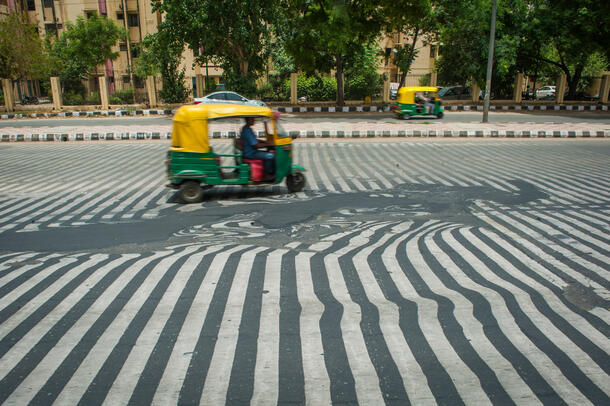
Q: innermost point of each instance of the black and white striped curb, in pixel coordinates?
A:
(331, 109)
(96, 136)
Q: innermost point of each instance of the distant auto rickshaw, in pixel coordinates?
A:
(192, 164)
(418, 101)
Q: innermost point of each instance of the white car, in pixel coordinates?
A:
(227, 97)
(545, 92)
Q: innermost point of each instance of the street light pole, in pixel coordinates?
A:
(490, 60)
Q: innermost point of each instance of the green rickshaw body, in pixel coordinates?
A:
(193, 164)
(408, 106)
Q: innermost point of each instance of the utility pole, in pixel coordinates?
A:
(490, 60)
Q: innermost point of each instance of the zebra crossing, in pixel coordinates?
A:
(384, 300)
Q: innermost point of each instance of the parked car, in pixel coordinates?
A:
(456, 93)
(228, 97)
(545, 92)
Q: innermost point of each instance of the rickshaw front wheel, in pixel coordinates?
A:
(439, 115)
(295, 182)
(190, 191)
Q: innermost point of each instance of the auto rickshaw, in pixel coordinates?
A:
(410, 102)
(192, 164)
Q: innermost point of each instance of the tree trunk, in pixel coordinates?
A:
(339, 76)
(573, 82)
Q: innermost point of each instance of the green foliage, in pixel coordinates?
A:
(124, 96)
(72, 98)
(94, 98)
(361, 77)
(243, 84)
(22, 51)
(233, 33)
(162, 53)
(415, 18)
(317, 88)
(327, 34)
(83, 46)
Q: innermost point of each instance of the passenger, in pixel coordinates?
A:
(428, 105)
(250, 149)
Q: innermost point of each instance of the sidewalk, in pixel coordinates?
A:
(330, 129)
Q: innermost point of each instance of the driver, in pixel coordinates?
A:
(251, 146)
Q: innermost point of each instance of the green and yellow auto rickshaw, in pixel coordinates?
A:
(192, 164)
(418, 101)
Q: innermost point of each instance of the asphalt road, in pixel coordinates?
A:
(409, 271)
(598, 117)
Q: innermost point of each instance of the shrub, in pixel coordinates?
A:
(94, 98)
(361, 85)
(124, 96)
(316, 87)
(73, 99)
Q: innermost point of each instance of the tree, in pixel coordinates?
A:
(161, 53)
(21, 50)
(326, 34)
(362, 79)
(237, 40)
(416, 19)
(82, 47)
(566, 36)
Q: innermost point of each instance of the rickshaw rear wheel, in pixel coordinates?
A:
(190, 191)
(295, 182)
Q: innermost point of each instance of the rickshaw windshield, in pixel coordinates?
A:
(281, 132)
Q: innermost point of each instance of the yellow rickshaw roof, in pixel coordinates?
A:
(213, 111)
(413, 89)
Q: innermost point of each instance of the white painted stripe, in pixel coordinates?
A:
(504, 371)
(217, 379)
(168, 391)
(21, 264)
(127, 379)
(266, 372)
(416, 383)
(41, 298)
(317, 381)
(12, 295)
(466, 382)
(536, 250)
(574, 319)
(94, 360)
(33, 337)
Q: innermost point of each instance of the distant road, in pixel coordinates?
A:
(597, 117)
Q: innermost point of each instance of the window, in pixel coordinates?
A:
(432, 51)
(51, 29)
(196, 52)
(133, 20)
(218, 96)
(31, 5)
(123, 47)
(135, 51)
(138, 82)
(90, 14)
(388, 53)
(48, 3)
(126, 79)
(234, 97)
(120, 16)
